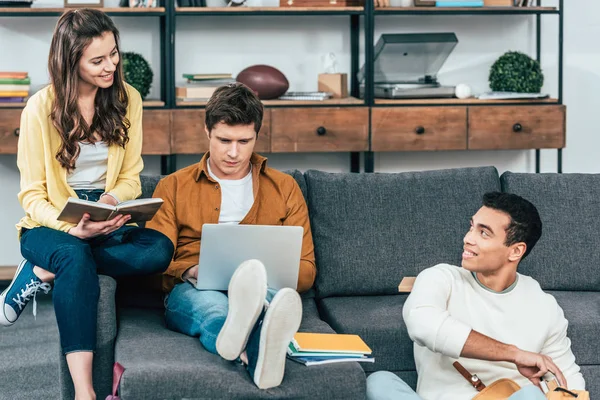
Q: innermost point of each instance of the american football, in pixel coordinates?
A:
(268, 82)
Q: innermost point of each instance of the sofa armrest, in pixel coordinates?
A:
(104, 356)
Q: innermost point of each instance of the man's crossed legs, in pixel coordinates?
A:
(249, 321)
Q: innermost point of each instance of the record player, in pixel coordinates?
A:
(406, 65)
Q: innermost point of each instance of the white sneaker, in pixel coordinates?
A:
(280, 324)
(247, 292)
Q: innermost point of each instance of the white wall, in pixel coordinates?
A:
(296, 46)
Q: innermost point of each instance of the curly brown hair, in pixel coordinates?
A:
(74, 31)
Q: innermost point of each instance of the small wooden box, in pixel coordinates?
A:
(334, 83)
(424, 3)
(498, 3)
(321, 3)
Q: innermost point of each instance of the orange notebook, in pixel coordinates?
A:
(330, 342)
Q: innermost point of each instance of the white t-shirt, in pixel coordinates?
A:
(447, 302)
(237, 197)
(90, 167)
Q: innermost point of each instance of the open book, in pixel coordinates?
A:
(139, 209)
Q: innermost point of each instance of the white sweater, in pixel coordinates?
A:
(447, 302)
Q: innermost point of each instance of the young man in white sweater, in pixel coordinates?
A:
(496, 322)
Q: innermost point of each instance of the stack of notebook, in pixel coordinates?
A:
(14, 87)
(324, 348)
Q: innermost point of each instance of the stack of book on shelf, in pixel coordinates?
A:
(325, 348)
(459, 3)
(14, 87)
(199, 87)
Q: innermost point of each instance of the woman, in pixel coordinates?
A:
(80, 136)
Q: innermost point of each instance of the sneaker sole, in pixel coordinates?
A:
(247, 293)
(3, 317)
(280, 324)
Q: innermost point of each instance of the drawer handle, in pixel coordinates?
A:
(321, 131)
(17, 132)
(420, 130)
(517, 127)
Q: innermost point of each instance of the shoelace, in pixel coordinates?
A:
(30, 291)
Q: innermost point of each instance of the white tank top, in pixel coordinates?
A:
(90, 167)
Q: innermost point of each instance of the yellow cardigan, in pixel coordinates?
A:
(44, 188)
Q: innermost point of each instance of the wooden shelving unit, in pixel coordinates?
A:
(344, 125)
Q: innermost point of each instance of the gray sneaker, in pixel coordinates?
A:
(247, 292)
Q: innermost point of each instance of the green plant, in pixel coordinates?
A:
(516, 72)
(137, 72)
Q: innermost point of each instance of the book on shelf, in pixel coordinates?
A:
(13, 81)
(12, 100)
(306, 96)
(14, 94)
(139, 209)
(13, 75)
(203, 77)
(5, 87)
(511, 96)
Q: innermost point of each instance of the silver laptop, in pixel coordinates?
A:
(224, 247)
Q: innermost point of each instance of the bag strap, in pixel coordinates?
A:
(118, 371)
(473, 379)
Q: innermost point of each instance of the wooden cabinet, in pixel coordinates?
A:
(418, 128)
(188, 135)
(518, 127)
(10, 120)
(319, 129)
(157, 132)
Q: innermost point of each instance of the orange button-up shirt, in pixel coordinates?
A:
(192, 198)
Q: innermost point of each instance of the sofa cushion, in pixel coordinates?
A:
(565, 258)
(582, 310)
(161, 364)
(378, 321)
(370, 230)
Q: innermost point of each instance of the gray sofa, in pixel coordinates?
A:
(370, 230)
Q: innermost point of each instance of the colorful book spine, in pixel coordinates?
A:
(11, 81)
(14, 94)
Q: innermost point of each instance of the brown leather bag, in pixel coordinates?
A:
(502, 389)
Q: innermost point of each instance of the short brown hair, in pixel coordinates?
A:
(234, 104)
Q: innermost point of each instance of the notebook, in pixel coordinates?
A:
(330, 342)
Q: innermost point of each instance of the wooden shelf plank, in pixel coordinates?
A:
(146, 103)
(466, 10)
(116, 10)
(268, 10)
(329, 102)
(410, 102)
(7, 273)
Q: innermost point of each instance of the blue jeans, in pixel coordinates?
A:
(76, 264)
(201, 313)
(384, 385)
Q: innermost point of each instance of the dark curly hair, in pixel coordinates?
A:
(525, 223)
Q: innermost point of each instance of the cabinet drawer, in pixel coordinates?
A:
(10, 121)
(316, 129)
(520, 127)
(157, 132)
(418, 128)
(188, 136)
